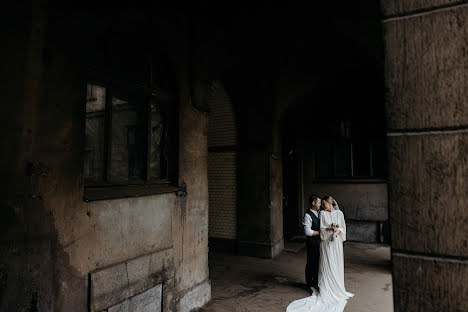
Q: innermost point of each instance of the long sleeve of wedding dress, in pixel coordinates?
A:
(326, 222)
(342, 227)
(324, 233)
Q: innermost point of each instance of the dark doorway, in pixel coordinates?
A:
(290, 185)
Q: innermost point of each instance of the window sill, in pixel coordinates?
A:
(93, 193)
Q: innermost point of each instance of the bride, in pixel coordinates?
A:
(333, 295)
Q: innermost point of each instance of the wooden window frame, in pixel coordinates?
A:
(148, 186)
(351, 178)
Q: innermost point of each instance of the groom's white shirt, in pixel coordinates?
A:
(315, 213)
(307, 222)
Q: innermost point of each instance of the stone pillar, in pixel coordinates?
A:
(190, 218)
(259, 190)
(427, 115)
(260, 215)
(301, 200)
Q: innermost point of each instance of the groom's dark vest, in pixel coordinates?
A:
(315, 240)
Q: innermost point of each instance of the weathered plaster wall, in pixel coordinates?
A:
(55, 247)
(276, 206)
(191, 219)
(28, 257)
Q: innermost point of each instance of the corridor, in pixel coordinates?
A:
(160, 157)
(244, 284)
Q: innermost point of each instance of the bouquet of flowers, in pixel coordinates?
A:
(333, 225)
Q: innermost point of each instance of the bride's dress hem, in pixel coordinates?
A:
(315, 303)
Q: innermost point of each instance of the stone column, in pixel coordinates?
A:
(260, 218)
(427, 114)
(259, 189)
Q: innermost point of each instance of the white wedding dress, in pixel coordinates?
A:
(333, 295)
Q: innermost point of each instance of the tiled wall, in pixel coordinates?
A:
(222, 162)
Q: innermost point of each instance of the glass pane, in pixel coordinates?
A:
(323, 160)
(379, 159)
(361, 159)
(158, 161)
(94, 133)
(342, 156)
(128, 138)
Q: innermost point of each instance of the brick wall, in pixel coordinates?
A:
(222, 161)
(221, 124)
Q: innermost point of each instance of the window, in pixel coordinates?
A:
(342, 161)
(323, 154)
(131, 109)
(362, 159)
(95, 133)
(130, 142)
(345, 153)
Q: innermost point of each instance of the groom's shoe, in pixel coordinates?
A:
(314, 290)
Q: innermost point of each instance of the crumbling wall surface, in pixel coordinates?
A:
(191, 218)
(28, 240)
(58, 252)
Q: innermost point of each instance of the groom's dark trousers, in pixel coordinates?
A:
(313, 253)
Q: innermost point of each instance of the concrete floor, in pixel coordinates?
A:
(249, 284)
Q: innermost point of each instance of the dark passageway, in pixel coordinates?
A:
(138, 139)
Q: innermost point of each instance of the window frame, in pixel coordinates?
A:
(147, 186)
(352, 178)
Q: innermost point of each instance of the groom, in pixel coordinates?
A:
(311, 222)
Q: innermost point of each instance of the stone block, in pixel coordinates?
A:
(399, 7)
(148, 301)
(361, 231)
(162, 263)
(429, 284)
(426, 70)
(137, 269)
(108, 286)
(428, 194)
(195, 298)
(116, 240)
(122, 281)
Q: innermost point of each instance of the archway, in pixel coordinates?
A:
(222, 170)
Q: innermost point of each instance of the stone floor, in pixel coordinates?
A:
(251, 284)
